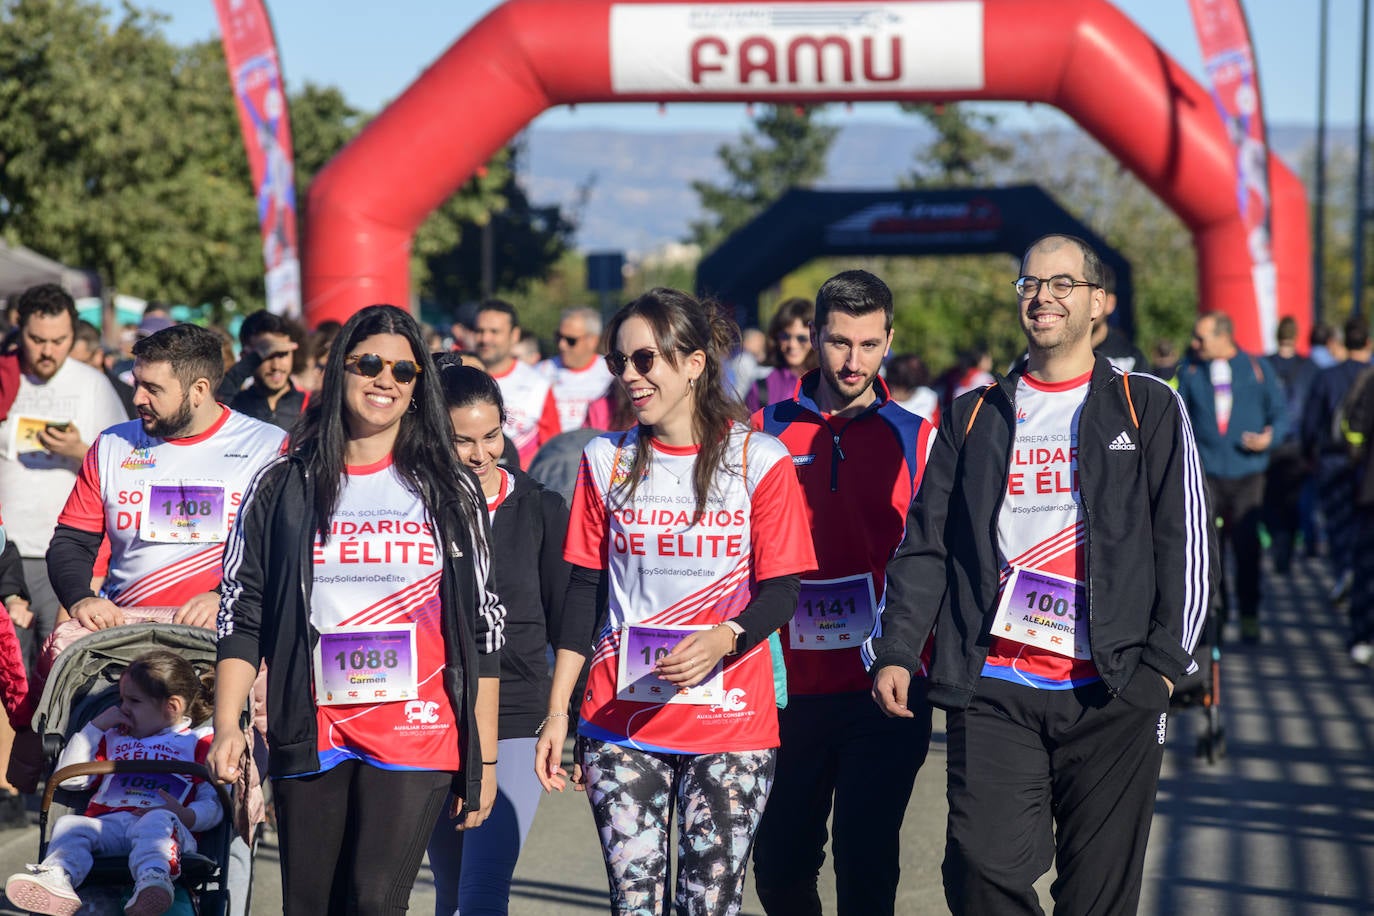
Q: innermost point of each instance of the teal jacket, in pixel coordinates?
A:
(1257, 401)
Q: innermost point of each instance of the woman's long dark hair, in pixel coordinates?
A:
(681, 325)
(422, 455)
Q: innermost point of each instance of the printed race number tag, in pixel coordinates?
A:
(365, 664)
(139, 790)
(641, 648)
(184, 512)
(833, 613)
(1044, 610)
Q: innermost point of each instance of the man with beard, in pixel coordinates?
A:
(60, 402)
(269, 343)
(1062, 549)
(531, 411)
(163, 488)
(859, 457)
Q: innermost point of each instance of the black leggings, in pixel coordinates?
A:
(354, 836)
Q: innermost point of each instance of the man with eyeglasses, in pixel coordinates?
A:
(577, 376)
(1062, 551)
(531, 412)
(859, 457)
(1238, 411)
(269, 345)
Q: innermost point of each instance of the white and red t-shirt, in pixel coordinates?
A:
(574, 390)
(494, 502)
(138, 792)
(379, 663)
(166, 505)
(1041, 529)
(531, 413)
(666, 568)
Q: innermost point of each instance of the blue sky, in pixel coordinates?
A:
(372, 50)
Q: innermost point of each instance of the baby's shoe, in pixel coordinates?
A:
(152, 893)
(43, 889)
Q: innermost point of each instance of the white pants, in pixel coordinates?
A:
(154, 840)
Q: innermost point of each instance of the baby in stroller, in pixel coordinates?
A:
(151, 818)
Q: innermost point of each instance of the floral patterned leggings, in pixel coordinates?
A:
(719, 799)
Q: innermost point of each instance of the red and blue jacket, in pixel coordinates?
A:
(859, 475)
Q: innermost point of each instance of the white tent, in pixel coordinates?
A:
(21, 268)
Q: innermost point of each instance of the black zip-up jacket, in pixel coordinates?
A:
(1151, 546)
(265, 613)
(531, 579)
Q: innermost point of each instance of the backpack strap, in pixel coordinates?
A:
(977, 407)
(1126, 383)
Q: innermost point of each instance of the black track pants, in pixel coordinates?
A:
(1027, 764)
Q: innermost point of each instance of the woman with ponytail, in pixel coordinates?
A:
(693, 528)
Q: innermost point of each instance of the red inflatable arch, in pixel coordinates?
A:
(1083, 56)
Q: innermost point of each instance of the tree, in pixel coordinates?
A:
(963, 153)
(787, 149)
(525, 240)
(118, 152)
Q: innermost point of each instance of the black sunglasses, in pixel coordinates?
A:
(569, 339)
(642, 360)
(369, 365)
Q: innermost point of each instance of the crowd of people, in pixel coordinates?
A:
(740, 570)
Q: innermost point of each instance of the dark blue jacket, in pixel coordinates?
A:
(1257, 402)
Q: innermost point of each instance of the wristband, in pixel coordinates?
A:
(488, 763)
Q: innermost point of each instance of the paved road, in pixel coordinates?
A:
(1284, 824)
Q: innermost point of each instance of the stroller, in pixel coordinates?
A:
(84, 681)
(1202, 690)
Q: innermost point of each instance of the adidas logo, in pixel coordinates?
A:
(1122, 443)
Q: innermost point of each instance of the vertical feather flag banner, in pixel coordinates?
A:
(1229, 59)
(251, 53)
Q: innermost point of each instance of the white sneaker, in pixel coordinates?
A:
(152, 894)
(1362, 653)
(44, 889)
(1341, 590)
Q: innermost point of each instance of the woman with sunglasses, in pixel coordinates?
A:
(472, 871)
(693, 528)
(358, 568)
(789, 352)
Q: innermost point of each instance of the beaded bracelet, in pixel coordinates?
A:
(553, 715)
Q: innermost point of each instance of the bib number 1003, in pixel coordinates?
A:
(372, 659)
(1048, 603)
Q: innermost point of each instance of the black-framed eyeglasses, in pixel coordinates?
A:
(370, 365)
(642, 360)
(1060, 285)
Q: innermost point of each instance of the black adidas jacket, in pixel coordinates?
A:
(1151, 547)
(265, 614)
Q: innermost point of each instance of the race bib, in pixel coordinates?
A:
(641, 648)
(366, 664)
(833, 613)
(139, 790)
(23, 434)
(1044, 610)
(184, 512)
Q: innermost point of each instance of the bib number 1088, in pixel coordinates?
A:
(372, 658)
